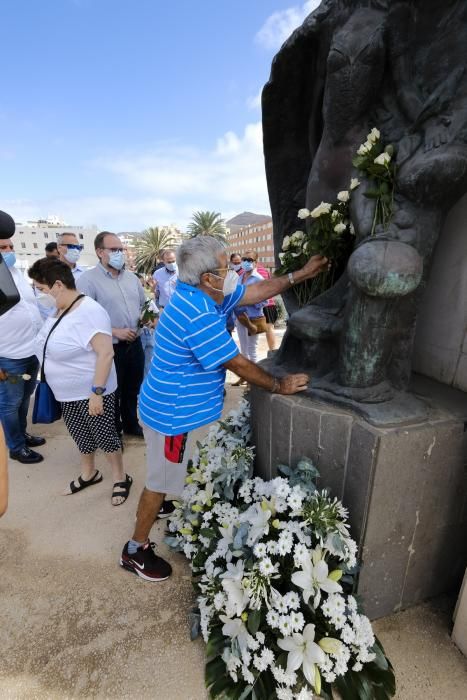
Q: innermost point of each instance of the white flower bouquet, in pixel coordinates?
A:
(273, 563)
(376, 162)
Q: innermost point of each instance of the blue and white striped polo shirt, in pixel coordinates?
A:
(184, 388)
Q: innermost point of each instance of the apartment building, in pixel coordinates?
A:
(255, 236)
(32, 237)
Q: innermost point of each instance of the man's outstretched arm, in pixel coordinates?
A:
(253, 374)
(260, 291)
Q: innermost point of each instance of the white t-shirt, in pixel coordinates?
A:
(20, 325)
(70, 361)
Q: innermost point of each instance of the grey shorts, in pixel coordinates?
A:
(164, 476)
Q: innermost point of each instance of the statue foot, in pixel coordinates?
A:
(372, 394)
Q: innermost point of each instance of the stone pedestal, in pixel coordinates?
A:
(459, 633)
(404, 486)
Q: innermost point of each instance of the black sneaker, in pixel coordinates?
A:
(145, 564)
(33, 440)
(167, 508)
(26, 456)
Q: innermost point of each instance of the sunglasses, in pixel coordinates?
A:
(248, 260)
(72, 246)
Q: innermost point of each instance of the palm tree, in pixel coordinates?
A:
(207, 223)
(149, 247)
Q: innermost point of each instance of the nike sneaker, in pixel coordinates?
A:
(145, 563)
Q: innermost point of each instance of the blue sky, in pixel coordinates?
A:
(127, 114)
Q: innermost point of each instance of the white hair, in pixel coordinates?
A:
(65, 233)
(196, 256)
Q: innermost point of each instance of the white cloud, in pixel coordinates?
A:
(166, 185)
(280, 25)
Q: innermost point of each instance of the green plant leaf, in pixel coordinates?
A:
(254, 621)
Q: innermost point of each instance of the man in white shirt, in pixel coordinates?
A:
(69, 251)
(18, 365)
(165, 279)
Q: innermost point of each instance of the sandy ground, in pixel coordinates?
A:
(75, 625)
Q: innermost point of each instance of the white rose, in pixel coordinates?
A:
(340, 228)
(297, 236)
(323, 208)
(303, 213)
(343, 196)
(352, 229)
(374, 135)
(363, 150)
(286, 243)
(382, 159)
(281, 257)
(26, 377)
(334, 214)
(354, 183)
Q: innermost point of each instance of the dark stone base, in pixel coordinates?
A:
(404, 486)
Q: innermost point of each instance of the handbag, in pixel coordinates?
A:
(254, 325)
(46, 407)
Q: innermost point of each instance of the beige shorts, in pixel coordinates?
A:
(164, 476)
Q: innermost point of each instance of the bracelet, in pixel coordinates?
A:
(276, 385)
(291, 279)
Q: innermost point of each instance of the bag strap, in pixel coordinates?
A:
(80, 296)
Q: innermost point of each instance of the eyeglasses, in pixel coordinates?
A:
(72, 246)
(248, 260)
(114, 250)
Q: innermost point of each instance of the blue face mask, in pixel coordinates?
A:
(117, 260)
(9, 258)
(247, 266)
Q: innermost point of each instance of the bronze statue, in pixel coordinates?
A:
(399, 66)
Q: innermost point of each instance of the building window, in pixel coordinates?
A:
(46, 235)
(81, 236)
(23, 245)
(33, 232)
(34, 245)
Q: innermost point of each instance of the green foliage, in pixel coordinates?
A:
(207, 223)
(149, 247)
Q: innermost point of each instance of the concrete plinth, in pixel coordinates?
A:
(404, 486)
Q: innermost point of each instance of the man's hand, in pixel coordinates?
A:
(293, 383)
(315, 265)
(124, 334)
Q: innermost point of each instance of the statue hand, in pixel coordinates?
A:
(293, 383)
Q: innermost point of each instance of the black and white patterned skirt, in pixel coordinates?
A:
(92, 432)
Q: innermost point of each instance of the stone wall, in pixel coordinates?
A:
(441, 340)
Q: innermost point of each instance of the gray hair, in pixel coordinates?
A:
(65, 233)
(196, 256)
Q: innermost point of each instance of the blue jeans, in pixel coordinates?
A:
(14, 399)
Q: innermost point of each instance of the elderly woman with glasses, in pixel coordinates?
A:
(79, 369)
(248, 314)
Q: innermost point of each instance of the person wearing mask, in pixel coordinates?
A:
(51, 250)
(184, 388)
(236, 262)
(18, 365)
(80, 371)
(121, 294)
(165, 279)
(247, 313)
(69, 251)
(270, 310)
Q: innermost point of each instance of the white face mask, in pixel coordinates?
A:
(171, 267)
(72, 255)
(46, 300)
(230, 283)
(236, 267)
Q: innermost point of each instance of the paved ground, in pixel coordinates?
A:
(75, 625)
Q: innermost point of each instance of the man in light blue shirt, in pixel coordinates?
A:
(165, 279)
(185, 385)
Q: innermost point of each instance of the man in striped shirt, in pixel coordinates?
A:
(184, 389)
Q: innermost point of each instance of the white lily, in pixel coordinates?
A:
(235, 629)
(303, 652)
(258, 519)
(232, 584)
(314, 578)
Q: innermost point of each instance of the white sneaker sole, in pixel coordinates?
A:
(141, 574)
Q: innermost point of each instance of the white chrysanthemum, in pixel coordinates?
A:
(272, 618)
(285, 543)
(292, 600)
(266, 567)
(260, 550)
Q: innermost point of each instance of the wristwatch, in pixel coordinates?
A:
(98, 390)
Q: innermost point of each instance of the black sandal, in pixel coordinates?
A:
(126, 486)
(96, 479)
